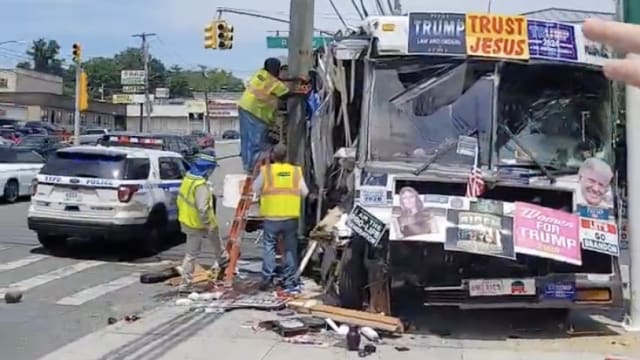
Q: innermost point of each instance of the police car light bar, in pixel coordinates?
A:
(135, 140)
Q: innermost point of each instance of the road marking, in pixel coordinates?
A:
(3, 248)
(125, 340)
(42, 279)
(95, 292)
(21, 262)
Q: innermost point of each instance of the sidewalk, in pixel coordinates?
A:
(170, 332)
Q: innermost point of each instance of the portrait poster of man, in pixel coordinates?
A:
(412, 220)
(594, 184)
(480, 233)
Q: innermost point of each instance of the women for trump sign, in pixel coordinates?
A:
(548, 233)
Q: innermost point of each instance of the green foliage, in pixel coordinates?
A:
(104, 72)
(45, 57)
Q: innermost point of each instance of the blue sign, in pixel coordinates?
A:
(594, 212)
(560, 291)
(552, 40)
(437, 33)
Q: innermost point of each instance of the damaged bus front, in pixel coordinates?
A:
(484, 181)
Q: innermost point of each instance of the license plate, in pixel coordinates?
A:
(72, 196)
(373, 197)
(502, 287)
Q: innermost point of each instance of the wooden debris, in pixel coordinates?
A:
(347, 316)
(200, 275)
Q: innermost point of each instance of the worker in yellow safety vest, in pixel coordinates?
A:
(257, 110)
(280, 187)
(197, 216)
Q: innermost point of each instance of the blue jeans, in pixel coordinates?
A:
(253, 139)
(289, 231)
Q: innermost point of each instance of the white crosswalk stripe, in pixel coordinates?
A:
(95, 292)
(21, 262)
(57, 274)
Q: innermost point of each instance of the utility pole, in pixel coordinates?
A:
(145, 59)
(206, 123)
(300, 60)
(631, 14)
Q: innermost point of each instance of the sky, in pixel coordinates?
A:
(104, 27)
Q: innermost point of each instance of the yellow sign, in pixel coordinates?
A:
(497, 36)
(122, 98)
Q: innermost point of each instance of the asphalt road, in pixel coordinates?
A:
(70, 295)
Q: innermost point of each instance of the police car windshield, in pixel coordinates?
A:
(101, 166)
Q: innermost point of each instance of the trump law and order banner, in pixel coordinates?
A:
(498, 36)
(546, 232)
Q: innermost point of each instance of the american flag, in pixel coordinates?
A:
(475, 183)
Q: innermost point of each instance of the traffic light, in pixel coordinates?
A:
(77, 53)
(210, 39)
(83, 99)
(225, 35)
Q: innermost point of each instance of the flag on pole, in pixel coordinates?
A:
(475, 183)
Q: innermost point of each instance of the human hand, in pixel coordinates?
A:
(624, 38)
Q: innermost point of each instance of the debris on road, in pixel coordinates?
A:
(112, 320)
(13, 296)
(351, 317)
(155, 277)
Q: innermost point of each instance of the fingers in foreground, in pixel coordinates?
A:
(623, 37)
(626, 70)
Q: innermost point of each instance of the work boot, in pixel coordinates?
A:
(265, 285)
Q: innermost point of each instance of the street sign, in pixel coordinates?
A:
(132, 89)
(218, 108)
(282, 42)
(162, 93)
(130, 98)
(132, 77)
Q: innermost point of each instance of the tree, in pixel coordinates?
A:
(45, 57)
(178, 83)
(24, 65)
(103, 73)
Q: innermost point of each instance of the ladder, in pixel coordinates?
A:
(240, 219)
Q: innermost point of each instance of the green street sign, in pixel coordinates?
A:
(282, 42)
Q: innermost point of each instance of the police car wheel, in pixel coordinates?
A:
(154, 237)
(52, 242)
(11, 191)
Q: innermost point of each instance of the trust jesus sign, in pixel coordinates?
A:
(497, 36)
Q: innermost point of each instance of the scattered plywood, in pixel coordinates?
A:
(360, 318)
(200, 275)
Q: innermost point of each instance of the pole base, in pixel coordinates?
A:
(628, 326)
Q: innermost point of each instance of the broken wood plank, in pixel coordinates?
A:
(360, 318)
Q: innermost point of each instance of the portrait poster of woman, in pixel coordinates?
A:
(412, 220)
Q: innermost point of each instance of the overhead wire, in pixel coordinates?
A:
(364, 9)
(392, 9)
(379, 7)
(344, 23)
(353, 2)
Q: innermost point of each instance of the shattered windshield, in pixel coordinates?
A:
(559, 114)
(418, 110)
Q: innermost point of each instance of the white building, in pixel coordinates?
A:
(28, 81)
(185, 117)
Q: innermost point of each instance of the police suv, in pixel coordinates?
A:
(106, 192)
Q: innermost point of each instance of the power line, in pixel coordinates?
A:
(338, 13)
(145, 58)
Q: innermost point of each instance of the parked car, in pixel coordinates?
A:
(10, 134)
(45, 145)
(192, 140)
(18, 169)
(231, 135)
(95, 131)
(49, 128)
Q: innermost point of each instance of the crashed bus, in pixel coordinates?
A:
(472, 156)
